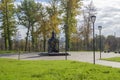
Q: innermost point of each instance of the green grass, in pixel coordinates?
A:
(115, 59)
(55, 70)
(7, 52)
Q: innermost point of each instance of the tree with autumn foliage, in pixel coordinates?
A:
(71, 10)
(49, 20)
(53, 14)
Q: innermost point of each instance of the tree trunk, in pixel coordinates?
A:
(9, 45)
(33, 39)
(44, 44)
(26, 42)
(9, 39)
(6, 45)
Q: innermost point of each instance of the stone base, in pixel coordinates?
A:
(54, 54)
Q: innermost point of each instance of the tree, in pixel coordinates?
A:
(88, 11)
(75, 42)
(70, 10)
(8, 22)
(27, 14)
(44, 28)
(53, 14)
(118, 43)
(111, 43)
(49, 20)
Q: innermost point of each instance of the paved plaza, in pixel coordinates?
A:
(76, 56)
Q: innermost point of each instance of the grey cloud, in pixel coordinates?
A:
(109, 9)
(108, 16)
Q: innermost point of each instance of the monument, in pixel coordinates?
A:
(53, 44)
(53, 47)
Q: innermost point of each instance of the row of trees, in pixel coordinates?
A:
(39, 20)
(110, 43)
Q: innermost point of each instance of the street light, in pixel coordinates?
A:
(18, 39)
(66, 43)
(93, 18)
(100, 47)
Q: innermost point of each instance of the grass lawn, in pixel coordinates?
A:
(116, 59)
(7, 52)
(10, 52)
(55, 70)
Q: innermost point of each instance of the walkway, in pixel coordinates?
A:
(77, 56)
(88, 57)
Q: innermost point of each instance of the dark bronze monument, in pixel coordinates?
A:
(53, 44)
(53, 47)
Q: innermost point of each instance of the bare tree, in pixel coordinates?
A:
(86, 28)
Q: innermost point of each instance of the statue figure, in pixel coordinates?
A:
(53, 44)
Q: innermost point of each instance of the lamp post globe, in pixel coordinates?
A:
(100, 27)
(93, 18)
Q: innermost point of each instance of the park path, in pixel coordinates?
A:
(109, 63)
(88, 57)
(76, 56)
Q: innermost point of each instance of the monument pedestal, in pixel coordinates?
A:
(54, 54)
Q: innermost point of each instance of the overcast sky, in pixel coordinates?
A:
(108, 16)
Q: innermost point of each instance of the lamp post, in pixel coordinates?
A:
(100, 47)
(18, 38)
(66, 43)
(93, 18)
